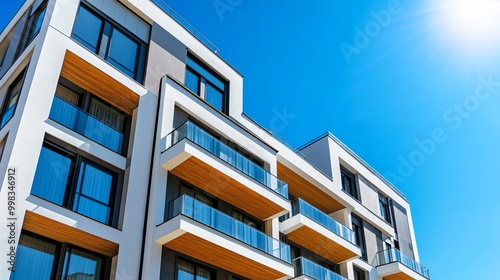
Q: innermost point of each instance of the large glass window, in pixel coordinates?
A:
(35, 259)
(357, 227)
(79, 264)
(359, 274)
(208, 85)
(187, 270)
(88, 29)
(384, 208)
(10, 101)
(349, 182)
(110, 41)
(43, 259)
(25, 30)
(74, 182)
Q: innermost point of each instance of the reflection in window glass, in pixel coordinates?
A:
(123, 52)
(192, 81)
(52, 176)
(81, 265)
(93, 191)
(34, 259)
(87, 29)
(206, 84)
(10, 103)
(76, 183)
(214, 97)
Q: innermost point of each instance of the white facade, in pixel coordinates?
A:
(179, 137)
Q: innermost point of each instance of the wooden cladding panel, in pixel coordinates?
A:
(320, 244)
(94, 80)
(300, 187)
(398, 276)
(215, 255)
(213, 181)
(44, 226)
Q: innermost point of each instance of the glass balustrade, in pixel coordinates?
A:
(85, 124)
(299, 206)
(304, 266)
(394, 255)
(208, 142)
(213, 218)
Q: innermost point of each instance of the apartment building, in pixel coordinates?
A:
(126, 154)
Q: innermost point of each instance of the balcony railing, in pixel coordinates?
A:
(394, 255)
(208, 142)
(306, 267)
(200, 212)
(81, 122)
(299, 206)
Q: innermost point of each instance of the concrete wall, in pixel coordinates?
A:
(167, 55)
(373, 239)
(368, 194)
(403, 230)
(317, 155)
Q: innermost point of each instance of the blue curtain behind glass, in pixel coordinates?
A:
(51, 177)
(34, 259)
(93, 191)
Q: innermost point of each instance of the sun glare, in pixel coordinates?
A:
(474, 22)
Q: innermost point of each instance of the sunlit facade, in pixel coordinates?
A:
(126, 154)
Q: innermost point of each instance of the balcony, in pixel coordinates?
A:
(305, 267)
(85, 124)
(199, 158)
(320, 233)
(202, 232)
(394, 265)
(298, 186)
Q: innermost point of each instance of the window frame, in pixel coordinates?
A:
(361, 272)
(8, 97)
(385, 209)
(202, 80)
(353, 190)
(60, 252)
(359, 232)
(196, 264)
(108, 25)
(71, 186)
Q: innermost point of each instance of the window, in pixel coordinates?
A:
(207, 84)
(77, 183)
(32, 27)
(90, 116)
(197, 194)
(21, 35)
(384, 208)
(349, 182)
(187, 270)
(2, 146)
(359, 235)
(249, 221)
(110, 41)
(43, 259)
(359, 274)
(10, 102)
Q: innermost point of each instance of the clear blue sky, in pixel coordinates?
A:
(418, 98)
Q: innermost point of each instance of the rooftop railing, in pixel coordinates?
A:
(208, 142)
(184, 23)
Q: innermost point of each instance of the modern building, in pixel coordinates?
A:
(126, 154)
